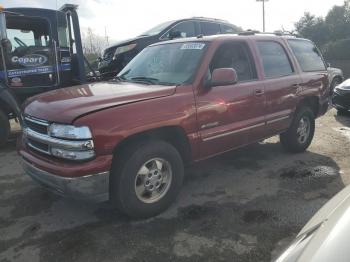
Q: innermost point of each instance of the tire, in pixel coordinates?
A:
(336, 81)
(4, 128)
(295, 141)
(127, 176)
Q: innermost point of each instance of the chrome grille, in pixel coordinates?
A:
(37, 125)
(38, 138)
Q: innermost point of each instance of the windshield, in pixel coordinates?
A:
(157, 29)
(166, 64)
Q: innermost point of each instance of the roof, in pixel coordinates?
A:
(223, 37)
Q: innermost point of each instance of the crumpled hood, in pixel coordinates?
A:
(67, 104)
(113, 47)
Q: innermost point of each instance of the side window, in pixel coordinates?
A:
(275, 59)
(210, 28)
(182, 29)
(226, 29)
(307, 55)
(236, 56)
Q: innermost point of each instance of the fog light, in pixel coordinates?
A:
(72, 155)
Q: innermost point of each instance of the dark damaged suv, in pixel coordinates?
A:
(116, 57)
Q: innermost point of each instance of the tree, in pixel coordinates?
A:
(338, 22)
(314, 28)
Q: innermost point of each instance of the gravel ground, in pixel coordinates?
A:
(245, 205)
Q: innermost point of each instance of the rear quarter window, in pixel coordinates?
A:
(308, 56)
(210, 28)
(226, 29)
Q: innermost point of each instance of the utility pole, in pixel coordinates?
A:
(263, 6)
(106, 37)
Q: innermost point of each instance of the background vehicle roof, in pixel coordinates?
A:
(223, 37)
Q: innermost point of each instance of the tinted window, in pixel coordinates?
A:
(210, 28)
(275, 60)
(185, 29)
(226, 29)
(307, 55)
(236, 56)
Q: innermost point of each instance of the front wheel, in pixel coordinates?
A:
(301, 132)
(146, 179)
(4, 128)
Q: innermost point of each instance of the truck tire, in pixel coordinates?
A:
(146, 178)
(301, 132)
(4, 128)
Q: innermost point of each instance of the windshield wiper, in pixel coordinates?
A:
(145, 79)
(119, 78)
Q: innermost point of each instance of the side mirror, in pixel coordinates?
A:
(174, 34)
(329, 65)
(223, 77)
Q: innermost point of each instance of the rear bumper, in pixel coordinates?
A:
(93, 187)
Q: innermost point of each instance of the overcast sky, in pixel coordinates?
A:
(127, 18)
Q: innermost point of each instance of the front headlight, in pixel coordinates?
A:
(294, 251)
(77, 142)
(123, 49)
(69, 131)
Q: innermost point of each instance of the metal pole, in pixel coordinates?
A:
(263, 16)
(263, 6)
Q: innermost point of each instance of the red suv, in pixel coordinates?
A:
(127, 140)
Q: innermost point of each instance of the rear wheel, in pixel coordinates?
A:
(4, 128)
(301, 132)
(146, 178)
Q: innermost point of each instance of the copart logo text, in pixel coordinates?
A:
(30, 60)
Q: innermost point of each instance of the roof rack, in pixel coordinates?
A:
(277, 33)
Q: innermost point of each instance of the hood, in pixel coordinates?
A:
(330, 241)
(122, 43)
(66, 104)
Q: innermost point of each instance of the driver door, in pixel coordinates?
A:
(231, 116)
(28, 52)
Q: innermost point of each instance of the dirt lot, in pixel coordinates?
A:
(242, 206)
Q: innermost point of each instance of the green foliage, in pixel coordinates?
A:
(314, 28)
(338, 50)
(331, 33)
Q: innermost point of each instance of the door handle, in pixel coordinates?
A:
(259, 92)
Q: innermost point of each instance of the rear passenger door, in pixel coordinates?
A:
(282, 84)
(232, 115)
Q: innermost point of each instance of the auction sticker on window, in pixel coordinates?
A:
(192, 46)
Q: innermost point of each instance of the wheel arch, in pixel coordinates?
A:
(174, 135)
(311, 101)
